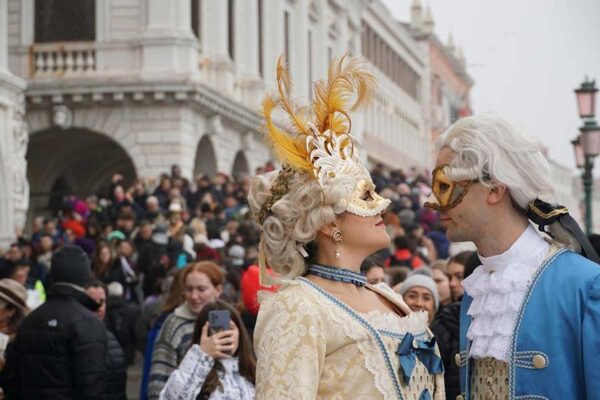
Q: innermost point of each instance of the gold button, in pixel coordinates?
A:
(489, 381)
(489, 395)
(489, 371)
(457, 359)
(539, 361)
(460, 397)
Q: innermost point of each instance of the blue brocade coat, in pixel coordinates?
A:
(555, 350)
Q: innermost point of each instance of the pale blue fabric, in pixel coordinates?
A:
(560, 321)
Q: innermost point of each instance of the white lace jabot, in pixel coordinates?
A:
(498, 288)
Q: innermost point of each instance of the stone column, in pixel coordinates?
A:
(168, 43)
(351, 31)
(14, 188)
(273, 37)
(3, 36)
(299, 49)
(246, 52)
(320, 54)
(343, 37)
(216, 61)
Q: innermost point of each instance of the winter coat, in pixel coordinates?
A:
(171, 345)
(185, 383)
(60, 349)
(445, 327)
(116, 370)
(120, 320)
(150, 339)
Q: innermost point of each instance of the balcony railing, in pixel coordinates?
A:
(63, 59)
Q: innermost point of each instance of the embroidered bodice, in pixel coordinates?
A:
(393, 329)
(311, 345)
(489, 379)
(415, 323)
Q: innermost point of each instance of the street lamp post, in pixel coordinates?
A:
(587, 144)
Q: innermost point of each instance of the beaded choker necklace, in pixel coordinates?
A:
(337, 274)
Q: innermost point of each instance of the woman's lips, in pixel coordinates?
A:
(380, 223)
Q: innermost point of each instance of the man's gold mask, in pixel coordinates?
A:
(446, 194)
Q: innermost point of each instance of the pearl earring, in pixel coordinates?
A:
(338, 237)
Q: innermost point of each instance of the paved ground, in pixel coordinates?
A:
(134, 377)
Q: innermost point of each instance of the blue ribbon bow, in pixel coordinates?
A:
(410, 349)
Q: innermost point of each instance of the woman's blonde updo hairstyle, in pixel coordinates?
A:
(295, 219)
(290, 203)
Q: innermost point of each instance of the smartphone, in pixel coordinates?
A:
(218, 321)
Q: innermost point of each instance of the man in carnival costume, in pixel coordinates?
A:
(530, 315)
(327, 333)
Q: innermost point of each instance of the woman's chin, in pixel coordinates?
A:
(385, 240)
(380, 244)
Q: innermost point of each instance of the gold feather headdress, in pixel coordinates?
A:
(320, 144)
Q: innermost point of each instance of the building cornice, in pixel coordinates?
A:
(12, 82)
(207, 100)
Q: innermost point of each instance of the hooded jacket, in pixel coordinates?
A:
(60, 350)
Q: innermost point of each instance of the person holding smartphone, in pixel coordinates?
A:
(202, 284)
(220, 364)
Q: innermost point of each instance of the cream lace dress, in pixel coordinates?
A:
(311, 345)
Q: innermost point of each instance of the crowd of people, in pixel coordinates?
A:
(133, 273)
(372, 300)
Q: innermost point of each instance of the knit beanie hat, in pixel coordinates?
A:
(70, 265)
(418, 280)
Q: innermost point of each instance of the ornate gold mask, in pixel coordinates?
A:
(446, 194)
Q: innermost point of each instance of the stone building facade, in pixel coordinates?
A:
(134, 86)
(14, 188)
(397, 123)
(450, 84)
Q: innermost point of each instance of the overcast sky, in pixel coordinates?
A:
(526, 57)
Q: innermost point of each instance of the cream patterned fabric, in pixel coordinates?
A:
(310, 345)
(489, 380)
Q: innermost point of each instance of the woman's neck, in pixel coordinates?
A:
(347, 261)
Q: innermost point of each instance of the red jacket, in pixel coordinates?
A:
(250, 287)
(404, 257)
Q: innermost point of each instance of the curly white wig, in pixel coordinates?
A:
(490, 149)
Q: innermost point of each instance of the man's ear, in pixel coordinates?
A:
(496, 193)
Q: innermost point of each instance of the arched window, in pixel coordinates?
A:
(65, 21)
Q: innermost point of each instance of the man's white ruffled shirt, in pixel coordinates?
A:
(498, 287)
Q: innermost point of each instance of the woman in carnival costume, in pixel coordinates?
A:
(327, 333)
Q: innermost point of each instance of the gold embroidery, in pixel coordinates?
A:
(279, 189)
(489, 379)
(553, 213)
